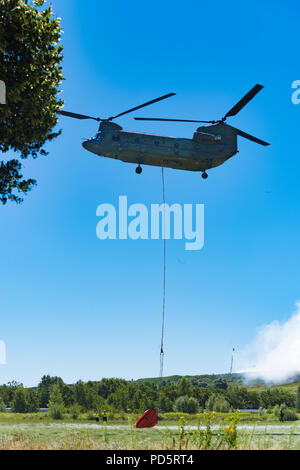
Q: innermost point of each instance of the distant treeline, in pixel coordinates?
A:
(186, 394)
(200, 380)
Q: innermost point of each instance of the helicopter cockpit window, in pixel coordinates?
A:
(116, 138)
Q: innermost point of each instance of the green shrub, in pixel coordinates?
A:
(209, 404)
(32, 401)
(75, 411)
(56, 411)
(217, 403)
(298, 398)
(19, 401)
(221, 405)
(262, 412)
(186, 404)
(91, 416)
(283, 407)
(289, 415)
(276, 411)
(56, 403)
(2, 405)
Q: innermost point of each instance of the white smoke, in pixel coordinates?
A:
(274, 355)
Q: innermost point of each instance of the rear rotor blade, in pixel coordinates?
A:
(142, 105)
(233, 111)
(250, 137)
(77, 116)
(176, 120)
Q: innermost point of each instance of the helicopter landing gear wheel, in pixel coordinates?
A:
(139, 170)
(204, 175)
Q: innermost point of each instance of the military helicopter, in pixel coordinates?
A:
(210, 146)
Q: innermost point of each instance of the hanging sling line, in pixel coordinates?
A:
(164, 278)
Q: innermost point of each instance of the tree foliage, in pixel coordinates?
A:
(221, 383)
(186, 404)
(44, 388)
(2, 405)
(32, 401)
(56, 403)
(136, 396)
(30, 66)
(19, 401)
(298, 398)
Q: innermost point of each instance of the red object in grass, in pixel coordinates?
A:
(147, 420)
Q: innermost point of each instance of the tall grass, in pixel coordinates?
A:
(225, 435)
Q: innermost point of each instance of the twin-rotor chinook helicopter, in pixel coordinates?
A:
(210, 146)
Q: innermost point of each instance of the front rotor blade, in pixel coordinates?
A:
(250, 137)
(176, 120)
(233, 111)
(77, 116)
(142, 105)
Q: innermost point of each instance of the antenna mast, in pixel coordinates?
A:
(231, 364)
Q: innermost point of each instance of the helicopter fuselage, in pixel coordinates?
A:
(210, 147)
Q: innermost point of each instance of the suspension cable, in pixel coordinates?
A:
(162, 353)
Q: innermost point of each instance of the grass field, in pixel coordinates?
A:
(291, 387)
(174, 430)
(204, 431)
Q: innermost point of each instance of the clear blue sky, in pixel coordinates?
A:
(81, 308)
